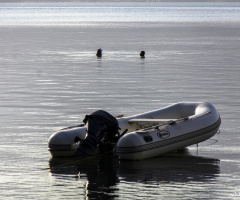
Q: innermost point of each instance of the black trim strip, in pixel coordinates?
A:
(61, 147)
(125, 150)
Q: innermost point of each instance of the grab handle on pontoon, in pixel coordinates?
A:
(75, 126)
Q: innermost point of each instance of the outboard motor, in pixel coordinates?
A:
(102, 129)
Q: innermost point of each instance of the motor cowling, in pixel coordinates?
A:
(102, 128)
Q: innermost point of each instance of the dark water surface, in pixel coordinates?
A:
(51, 78)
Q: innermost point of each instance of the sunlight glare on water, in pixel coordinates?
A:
(78, 13)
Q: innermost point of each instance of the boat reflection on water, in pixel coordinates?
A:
(99, 173)
(173, 167)
(103, 173)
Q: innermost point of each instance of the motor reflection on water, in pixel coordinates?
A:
(102, 173)
(99, 172)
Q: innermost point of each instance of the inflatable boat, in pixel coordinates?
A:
(140, 136)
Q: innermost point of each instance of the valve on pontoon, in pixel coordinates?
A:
(102, 131)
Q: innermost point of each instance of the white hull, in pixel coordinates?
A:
(62, 142)
(195, 123)
(191, 123)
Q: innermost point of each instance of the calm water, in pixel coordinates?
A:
(51, 78)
